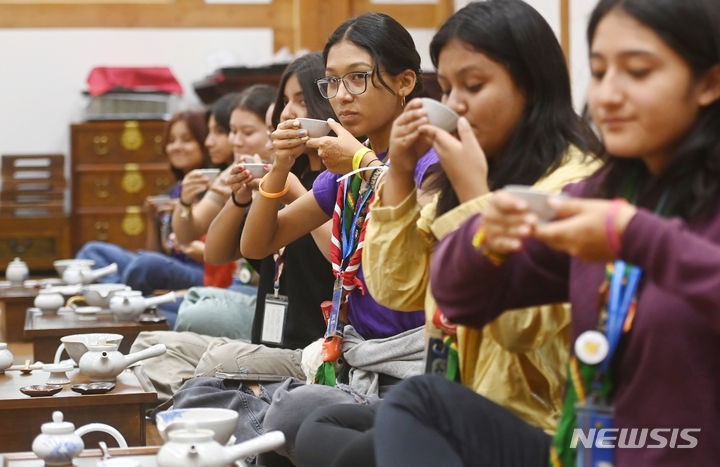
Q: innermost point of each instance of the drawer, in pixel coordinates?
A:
(117, 142)
(119, 185)
(38, 242)
(125, 227)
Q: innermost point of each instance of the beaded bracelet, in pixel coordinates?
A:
(279, 194)
(611, 231)
(240, 205)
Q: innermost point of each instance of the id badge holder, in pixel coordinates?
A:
(273, 327)
(591, 418)
(335, 308)
(436, 357)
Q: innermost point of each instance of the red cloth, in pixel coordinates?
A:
(155, 79)
(218, 276)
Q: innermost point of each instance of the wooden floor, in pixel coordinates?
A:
(23, 351)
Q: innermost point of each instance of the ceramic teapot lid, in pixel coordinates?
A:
(57, 426)
(17, 261)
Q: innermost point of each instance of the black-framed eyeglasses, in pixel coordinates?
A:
(355, 82)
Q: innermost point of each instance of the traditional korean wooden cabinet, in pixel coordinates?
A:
(115, 166)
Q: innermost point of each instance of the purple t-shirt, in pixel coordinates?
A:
(367, 316)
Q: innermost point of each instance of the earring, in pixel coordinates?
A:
(402, 102)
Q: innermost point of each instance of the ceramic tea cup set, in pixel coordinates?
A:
(202, 437)
(97, 355)
(125, 304)
(186, 445)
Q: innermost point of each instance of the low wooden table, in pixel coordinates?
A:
(13, 303)
(123, 408)
(45, 331)
(88, 458)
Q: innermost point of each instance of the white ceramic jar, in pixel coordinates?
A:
(6, 357)
(49, 300)
(17, 272)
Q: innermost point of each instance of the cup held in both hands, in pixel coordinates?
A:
(440, 115)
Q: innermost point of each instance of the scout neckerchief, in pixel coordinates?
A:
(348, 232)
(587, 398)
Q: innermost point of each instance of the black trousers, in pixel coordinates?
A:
(430, 421)
(337, 436)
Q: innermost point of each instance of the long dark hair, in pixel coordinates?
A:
(513, 34)
(690, 28)
(198, 127)
(256, 99)
(386, 40)
(221, 110)
(307, 69)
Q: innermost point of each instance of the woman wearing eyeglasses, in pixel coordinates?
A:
(371, 68)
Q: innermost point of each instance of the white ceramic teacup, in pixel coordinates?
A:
(210, 173)
(315, 128)
(76, 344)
(222, 422)
(440, 115)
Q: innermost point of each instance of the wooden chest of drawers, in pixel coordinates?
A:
(37, 241)
(115, 166)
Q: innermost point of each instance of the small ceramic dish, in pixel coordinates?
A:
(37, 390)
(93, 388)
(87, 313)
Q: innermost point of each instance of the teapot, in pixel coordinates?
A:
(6, 357)
(49, 300)
(194, 447)
(80, 273)
(17, 272)
(127, 305)
(103, 362)
(60, 442)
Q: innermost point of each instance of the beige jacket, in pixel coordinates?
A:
(518, 360)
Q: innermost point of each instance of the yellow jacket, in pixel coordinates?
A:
(518, 360)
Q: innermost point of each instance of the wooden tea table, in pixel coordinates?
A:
(13, 303)
(45, 331)
(123, 408)
(88, 458)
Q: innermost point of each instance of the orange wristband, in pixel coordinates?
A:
(279, 194)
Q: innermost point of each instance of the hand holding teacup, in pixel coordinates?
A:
(336, 152)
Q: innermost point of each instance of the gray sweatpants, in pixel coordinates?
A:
(190, 354)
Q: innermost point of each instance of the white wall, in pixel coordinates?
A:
(44, 72)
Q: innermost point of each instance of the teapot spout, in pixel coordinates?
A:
(154, 351)
(90, 427)
(260, 444)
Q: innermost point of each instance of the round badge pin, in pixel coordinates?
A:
(591, 347)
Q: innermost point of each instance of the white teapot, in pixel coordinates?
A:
(60, 442)
(17, 272)
(127, 305)
(103, 362)
(192, 447)
(80, 273)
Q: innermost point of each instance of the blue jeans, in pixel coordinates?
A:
(146, 271)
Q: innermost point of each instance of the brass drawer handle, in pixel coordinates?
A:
(101, 145)
(162, 184)
(102, 186)
(18, 246)
(131, 138)
(158, 144)
(101, 230)
(133, 223)
(133, 180)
